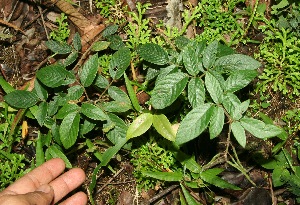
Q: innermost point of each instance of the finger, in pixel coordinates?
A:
(37, 177)
(79, 198)
(67, 183)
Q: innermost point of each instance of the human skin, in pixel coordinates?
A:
(46, 185)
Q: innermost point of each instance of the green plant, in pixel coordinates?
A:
(105, 6)
(62, 32)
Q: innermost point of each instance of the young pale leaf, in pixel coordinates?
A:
(259, 129)
(196, 92)
(194, 123)
(131, 93)
(164, 127)
(165, 176)
(188, 197)
(192, 57)
(41, 113)
(6, 86)
(216, 122)
(55, 152)
(100, 46)
(21, 99)
(239, 79)
(210, 176)
(239, 133)
(214, 88)
(40, 90)
(93, 112)
(58, 47)
(77, 42)
(153, 53)
(139, 126)
(236, 62)
(89, 71)
(210, 54)
(69, 128)
(54, 76)
(167, 90)
(71, 58)
(65, 110)
(119, 62)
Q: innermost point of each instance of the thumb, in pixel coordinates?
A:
(43, 195)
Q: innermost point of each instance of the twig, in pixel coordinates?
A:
(12, 26)
(163, 193)
(117, 183)
(43, 21)
(110, 180)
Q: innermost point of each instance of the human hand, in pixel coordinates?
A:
(45, 186)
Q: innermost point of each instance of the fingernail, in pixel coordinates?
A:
(44, 188)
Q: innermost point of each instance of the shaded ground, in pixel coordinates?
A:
(24, 53)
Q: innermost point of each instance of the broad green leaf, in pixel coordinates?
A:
(100, 46)
(55, 152)
(165, 176)
(153, 53)
(187, 161)
(39, 152)
(234, 107)
(181, 42)
(196, 92)
(93, 112)
(53, 106)
(167, 90)
(139, 126)
(236, 62)
(132, 94)
(118, 128)
(21, 99)
(118, 95)
(216, 122)
(58, 47)
(116, 42)
(259, 129)
(214, 88)
(194, 123)
(86, 127)
(89, 71)
(210, 176)
(40, 90)
(192, 57)
(5, 85)
(69, 128)
(188, 197)
(210, 54)
(74, 93)
(77, 42)
(117, 106)
(65, 110)
(119, 62)
(110, 152)
(278, 174)
(166, 71)
(101, 81)
(110, 30)
(239, 133)
(55, 76)
(164, 127)
(71, 58)
(239, 79)
(41, 113)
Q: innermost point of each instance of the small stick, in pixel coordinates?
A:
(12, 26)
(110, 180)
(163, 193)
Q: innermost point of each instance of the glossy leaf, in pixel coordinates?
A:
(167, 90)
(259, 129)
(40, 90)
(55, 76)
(210, 54)
(239, 133)
(89, 71)
(117, 106)
(239, 79)
(74, 93)
(194, 123)
(21, 99)
(119, 62)
(192, 57)
(5, 85)
(41, 113)
(139, 126)
(214, 88)
(93, 112)
(236, 62)
(165, 176)
(164, 127)
(71, 58)
(118, 95)
(58, 47)
(196, 92)
(69, 128)
(132, 94)
(234, 107)
(153, 53)
(216, 122)
(101, 81)
(65, 110)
